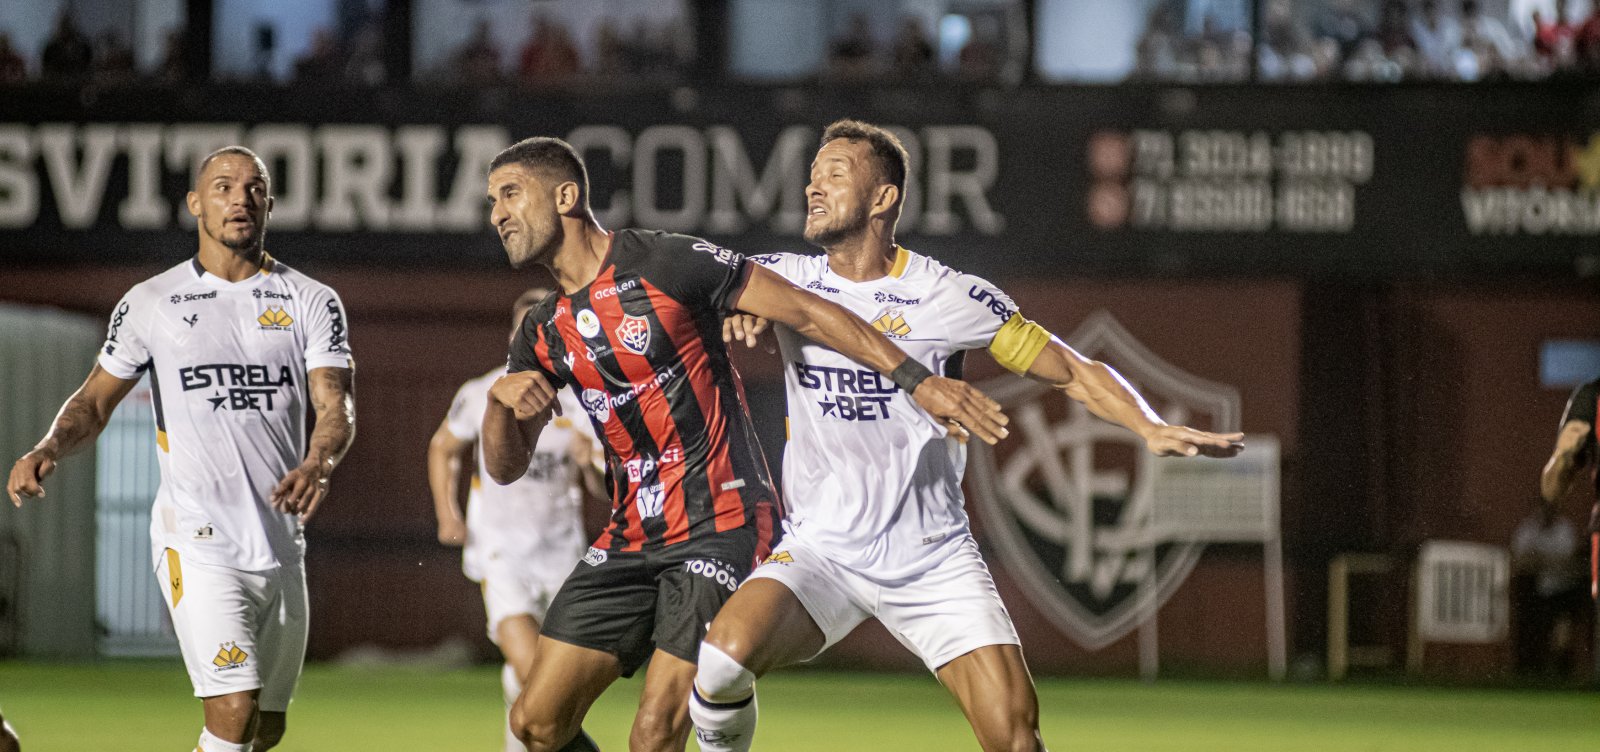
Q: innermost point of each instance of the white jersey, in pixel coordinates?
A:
(870, 479)
(535, 522)
(228, 364)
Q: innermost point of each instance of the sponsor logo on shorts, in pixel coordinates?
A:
(716, 571)
(595, 557)
(780, 557)
(229, 657)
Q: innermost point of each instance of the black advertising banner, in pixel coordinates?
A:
(1124, 181)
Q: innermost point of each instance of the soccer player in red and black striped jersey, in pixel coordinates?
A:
(635, 330)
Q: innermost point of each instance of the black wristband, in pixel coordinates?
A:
(909, 374)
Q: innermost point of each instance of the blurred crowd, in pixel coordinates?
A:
(913, 54)
(70, 57)
(552, 55)
(1373, 41)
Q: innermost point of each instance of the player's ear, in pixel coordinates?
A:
(193, 202)
(567, 197)
(885, 199)
(269, 206)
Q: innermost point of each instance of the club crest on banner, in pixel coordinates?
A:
(1071, 504)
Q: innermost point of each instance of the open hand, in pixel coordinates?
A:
(1183, 441)
(962, 408)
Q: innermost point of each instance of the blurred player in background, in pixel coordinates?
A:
(519, 541)
(876, 524)
(634, 331)
(235, 343)
(1578, 449)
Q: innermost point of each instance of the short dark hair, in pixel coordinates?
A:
(887, 150)
(236, 150)
(550, 156)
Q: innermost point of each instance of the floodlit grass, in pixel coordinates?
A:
(144, 706)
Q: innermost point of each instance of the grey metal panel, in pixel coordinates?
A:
(44, 356)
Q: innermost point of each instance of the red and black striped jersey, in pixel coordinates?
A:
(642, 347)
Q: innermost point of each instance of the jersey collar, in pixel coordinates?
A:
(268, 266)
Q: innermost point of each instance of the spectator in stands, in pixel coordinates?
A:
(1285, 51)
(1547, 590)
(550, 55)
(1586, 43)
(67, 56)
(1370, 64)
(1438, 39)
(1345, 22)
(364, 65)
(1478, 28)
(980, 58)
(113, 60)
(478, 61)
(850, 55)
(912, 56)
(610, 55)
(322, 64)
(1156, 57)
(1553, 39)
(13, 69)
(174, 68)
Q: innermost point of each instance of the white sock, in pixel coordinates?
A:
(511, 687)
(723, 726)
(209, 743)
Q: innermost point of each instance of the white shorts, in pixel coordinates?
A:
(238, 630)
(940, 615)
(510, 590)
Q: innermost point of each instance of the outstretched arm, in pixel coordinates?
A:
(333, 397)
(1108, 395)
(81, 419)
(1565, 462)
(770, 296)
(448, 460)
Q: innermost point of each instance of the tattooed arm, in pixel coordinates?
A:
(333, 398)
(80, 420)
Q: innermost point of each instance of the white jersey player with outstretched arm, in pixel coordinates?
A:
(237, 345)
(876, 526)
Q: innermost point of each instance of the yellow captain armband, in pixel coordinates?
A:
(1018, 343)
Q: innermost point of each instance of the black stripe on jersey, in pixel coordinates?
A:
(155, 398)
(749, 465)
(632, 417)
(687, 416)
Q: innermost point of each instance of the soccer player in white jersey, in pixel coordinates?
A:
(235, 343)
(876, 526)
(518, 541)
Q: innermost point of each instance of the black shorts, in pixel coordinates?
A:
(631, 603)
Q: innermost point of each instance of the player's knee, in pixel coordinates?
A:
(231, 714)
(659, 728)
(540, 735)
(720, 678)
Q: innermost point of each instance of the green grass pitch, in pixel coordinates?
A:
(144, 706)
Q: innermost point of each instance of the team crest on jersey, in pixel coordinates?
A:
(1076, 516)
(588, 323)
(634, 334)
(275, 319)
(892, 324)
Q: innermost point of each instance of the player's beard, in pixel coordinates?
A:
(838, 228)
(533, 242)
(236, 239)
